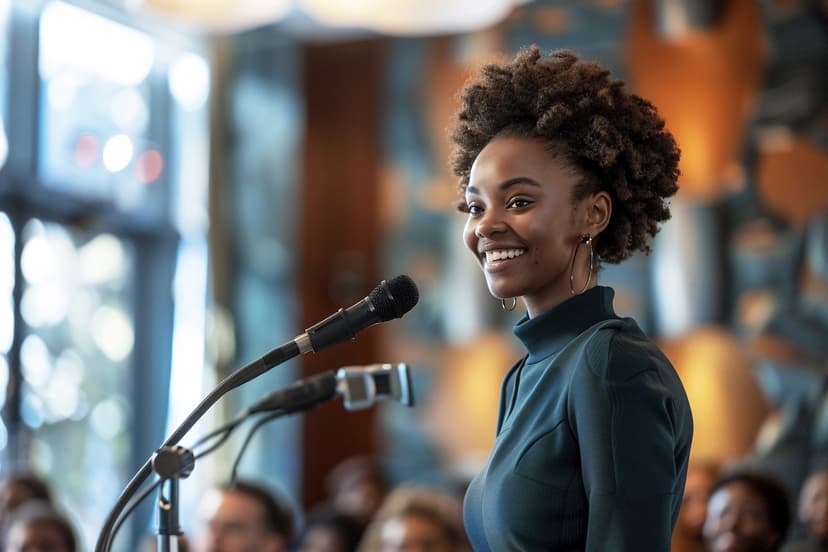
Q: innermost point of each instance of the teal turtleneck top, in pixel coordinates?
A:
(593, 439)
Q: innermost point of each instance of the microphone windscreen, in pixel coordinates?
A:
(395, 297)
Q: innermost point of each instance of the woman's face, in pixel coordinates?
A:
(738, 519)
(813, 509)
(522, 224)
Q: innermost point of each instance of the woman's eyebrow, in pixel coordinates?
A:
(507, 184)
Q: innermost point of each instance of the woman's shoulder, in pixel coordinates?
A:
(621, 351)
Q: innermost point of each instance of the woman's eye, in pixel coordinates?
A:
(519, 203)
(473, 209)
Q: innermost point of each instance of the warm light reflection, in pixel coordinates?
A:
(70, 36)
(727, 404)
(705, 84)
(225, 15)
(189, 81)
(462, 407)
(410, 17)
(117, 153)
(792, 177)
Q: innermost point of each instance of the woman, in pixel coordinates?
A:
(747, 512)
(416, 519)
(561, 169)
(813, 511)
(38, 526)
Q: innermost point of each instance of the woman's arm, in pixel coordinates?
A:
(633, 426)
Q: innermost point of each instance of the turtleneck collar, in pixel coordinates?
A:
(549, 331)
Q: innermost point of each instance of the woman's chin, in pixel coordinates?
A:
(503, 292)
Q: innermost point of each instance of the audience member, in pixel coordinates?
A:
(247, 517)
(688, 536)
(747, 512)
(813, 512)
(331, 531)
(18, 489)
(417, 519)
(37, 527)
(356, 487)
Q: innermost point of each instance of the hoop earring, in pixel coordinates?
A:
(509, 306)
(585, 239)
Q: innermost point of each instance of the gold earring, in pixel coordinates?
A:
(511, 306)
(585, 239)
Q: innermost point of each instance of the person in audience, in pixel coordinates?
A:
(18, 489)
(37, 527)
(688, 536)
(747, 512)
(331, 531)
(244, 516)
(416, 519)
(356, 487)
(813, 512)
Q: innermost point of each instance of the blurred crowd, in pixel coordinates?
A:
(735, 508)
(361, 513)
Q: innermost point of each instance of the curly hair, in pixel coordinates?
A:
(615, 139)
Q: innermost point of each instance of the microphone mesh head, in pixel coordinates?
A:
(395, 297)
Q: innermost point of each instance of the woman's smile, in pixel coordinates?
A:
(495, 260)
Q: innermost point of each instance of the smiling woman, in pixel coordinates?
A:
(561, 169)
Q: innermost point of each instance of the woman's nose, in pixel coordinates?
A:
(489, 223)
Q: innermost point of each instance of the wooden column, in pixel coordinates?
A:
(339, 242)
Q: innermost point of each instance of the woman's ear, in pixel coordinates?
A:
(599, 211)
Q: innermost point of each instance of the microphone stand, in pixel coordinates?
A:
(244, 374)
(171, 464)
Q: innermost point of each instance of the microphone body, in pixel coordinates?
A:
(359, 386)
(391, 299)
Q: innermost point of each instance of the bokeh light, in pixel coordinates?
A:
(112, 331)
(87, 150)
(107, 418)
(189, 81)
(117, 153)
(149, 166)
(102, 259)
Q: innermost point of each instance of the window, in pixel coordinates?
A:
(103, 223)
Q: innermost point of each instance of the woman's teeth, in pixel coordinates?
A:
(503, 254)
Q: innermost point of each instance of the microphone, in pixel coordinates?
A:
(391, 299)
(359, 386)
